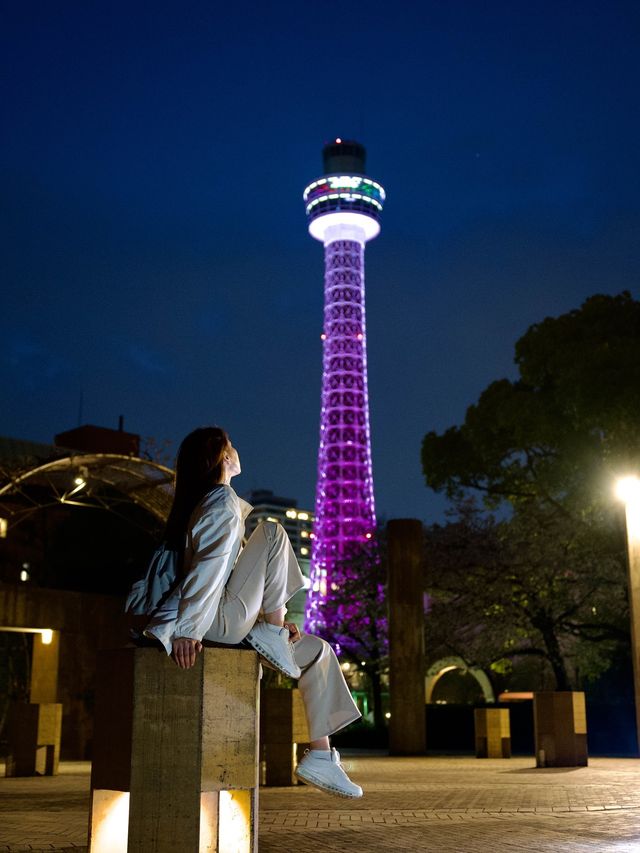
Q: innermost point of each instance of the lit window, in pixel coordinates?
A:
(304, 534)
(304, 551)
(4, 526)
(303, 516)
(24, 575)
(271, 518)
(291, 513)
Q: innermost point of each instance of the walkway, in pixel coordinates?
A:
(461, 805)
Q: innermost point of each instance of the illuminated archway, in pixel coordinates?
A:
(444, 665)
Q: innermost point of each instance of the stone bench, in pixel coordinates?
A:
(175, 758)
(283, 735)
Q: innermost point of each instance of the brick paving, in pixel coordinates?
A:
(444, 805)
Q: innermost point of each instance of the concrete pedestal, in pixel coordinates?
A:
(493, 732)
(560, 725)
(34, 738)
(175, 763)
(283, 735)
(407, 732)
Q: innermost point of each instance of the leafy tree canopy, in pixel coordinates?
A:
(565, 427)
(540, 585)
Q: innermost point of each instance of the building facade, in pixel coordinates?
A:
(298, 524)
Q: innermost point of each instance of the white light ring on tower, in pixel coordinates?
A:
(344, 225)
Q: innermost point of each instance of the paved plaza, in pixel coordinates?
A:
(464, 805)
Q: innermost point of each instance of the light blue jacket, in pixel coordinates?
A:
(214, 539)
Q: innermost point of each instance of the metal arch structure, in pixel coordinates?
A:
(444, 665)
(105, 481)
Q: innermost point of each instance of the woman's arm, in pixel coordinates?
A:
(213, 537)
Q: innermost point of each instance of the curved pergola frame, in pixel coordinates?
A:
(101, 480)
(444, 665)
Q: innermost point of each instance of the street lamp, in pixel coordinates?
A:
(628, 491)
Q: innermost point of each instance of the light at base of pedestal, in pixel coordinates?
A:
(109, 822)
(235, 822)
(225, 822)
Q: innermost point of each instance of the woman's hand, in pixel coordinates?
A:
(294, 631)
(185, 651)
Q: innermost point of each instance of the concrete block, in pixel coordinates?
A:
(284, 735)
(493, 732)
(175, 763)
(34, 739)
(560, 725)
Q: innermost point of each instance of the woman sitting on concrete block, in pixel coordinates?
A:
(223, 588)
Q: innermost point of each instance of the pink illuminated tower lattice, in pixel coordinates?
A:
(343, 209)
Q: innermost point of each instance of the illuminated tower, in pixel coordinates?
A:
(343, 208)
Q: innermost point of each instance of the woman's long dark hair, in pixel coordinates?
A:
(198, 469)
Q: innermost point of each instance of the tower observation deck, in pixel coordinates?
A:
(343, 211)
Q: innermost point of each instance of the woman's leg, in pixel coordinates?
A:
(327, 699)
(329, 707)
(266, 575)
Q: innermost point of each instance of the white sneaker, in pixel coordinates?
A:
(273, 644)
(323, 770)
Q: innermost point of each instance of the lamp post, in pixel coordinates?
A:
(628, 491)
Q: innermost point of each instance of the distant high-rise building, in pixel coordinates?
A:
(343, 210)
(298, 524)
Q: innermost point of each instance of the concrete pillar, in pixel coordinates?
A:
(34, 727)
(633, 565)
(283, 734)
(175, 763)
(44, 667)
(407, 734)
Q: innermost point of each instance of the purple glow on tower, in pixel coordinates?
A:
(343, 208)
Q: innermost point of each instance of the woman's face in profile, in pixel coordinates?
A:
(233, 463)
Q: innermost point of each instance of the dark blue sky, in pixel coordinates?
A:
(154, 246)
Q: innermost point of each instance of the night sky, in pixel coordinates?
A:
(155, 254)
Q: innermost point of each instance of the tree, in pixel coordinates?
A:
(355, 615)
(560, 432)
(527, 587)
(543, 450)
